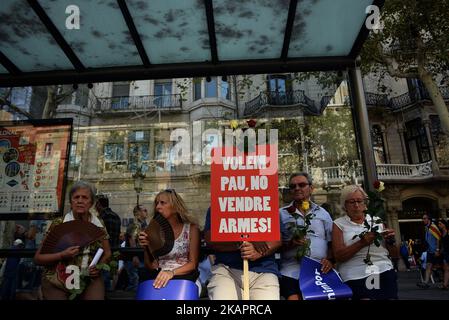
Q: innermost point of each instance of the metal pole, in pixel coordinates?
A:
(362, 128)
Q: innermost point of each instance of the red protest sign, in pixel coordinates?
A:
(244, 195)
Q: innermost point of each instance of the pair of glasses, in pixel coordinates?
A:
(359, 202)
(170, 190)
(301, 185)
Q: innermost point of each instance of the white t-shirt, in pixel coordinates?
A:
(355, 268)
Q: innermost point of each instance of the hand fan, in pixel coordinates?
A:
(160, 236)
(72, 233)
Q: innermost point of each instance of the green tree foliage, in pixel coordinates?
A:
(413, 43)
(330, 138)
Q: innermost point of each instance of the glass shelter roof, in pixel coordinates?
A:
(41, 44)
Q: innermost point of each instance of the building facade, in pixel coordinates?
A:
(168, 127)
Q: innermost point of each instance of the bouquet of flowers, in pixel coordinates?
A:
(299, 232)
(375, 209)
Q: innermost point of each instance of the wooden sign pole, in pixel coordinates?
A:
(245, 279)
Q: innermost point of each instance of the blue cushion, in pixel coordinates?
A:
(175, 290)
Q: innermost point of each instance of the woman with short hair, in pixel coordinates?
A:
(350, 250)
(82, 196)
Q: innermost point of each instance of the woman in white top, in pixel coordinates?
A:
(376, 281)
(182, 261)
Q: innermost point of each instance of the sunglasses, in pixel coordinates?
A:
(301, 185)
(170, 190)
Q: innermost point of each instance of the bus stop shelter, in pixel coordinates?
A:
(45, 42)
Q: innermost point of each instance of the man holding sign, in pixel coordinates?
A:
(226, 281)
(242, 225)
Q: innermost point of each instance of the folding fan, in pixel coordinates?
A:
(160, 236)
(72, 233)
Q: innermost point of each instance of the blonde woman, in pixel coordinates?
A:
(377, 281)
(182, 261)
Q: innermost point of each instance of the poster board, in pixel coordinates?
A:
(244, 194)
(33, 167)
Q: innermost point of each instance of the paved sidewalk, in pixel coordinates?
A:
(408, 290)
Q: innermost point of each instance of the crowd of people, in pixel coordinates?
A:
(342, 244)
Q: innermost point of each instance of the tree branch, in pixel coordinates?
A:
(388, 61)
(4, 102)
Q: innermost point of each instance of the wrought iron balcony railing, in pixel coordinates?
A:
(394, 103)
(413, 96)
(139, 103)
(376, 99)
(279, 98)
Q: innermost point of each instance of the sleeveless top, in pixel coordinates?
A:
(179, 255)
(354, 268)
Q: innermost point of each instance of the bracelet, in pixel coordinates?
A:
(172, 271)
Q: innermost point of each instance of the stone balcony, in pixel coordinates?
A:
(340, 175)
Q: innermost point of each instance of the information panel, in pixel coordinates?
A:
(33, 165)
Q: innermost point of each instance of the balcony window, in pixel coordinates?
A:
(277, 83)
(120, 95)
(138, 150)
(197, 89)
(378, 144)
(138, 155)
(278, 86)
(114, 156)
(417, 89)
(225, 90)
(416, 141)
(162, 92)
(211, 88)
(114, 152)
